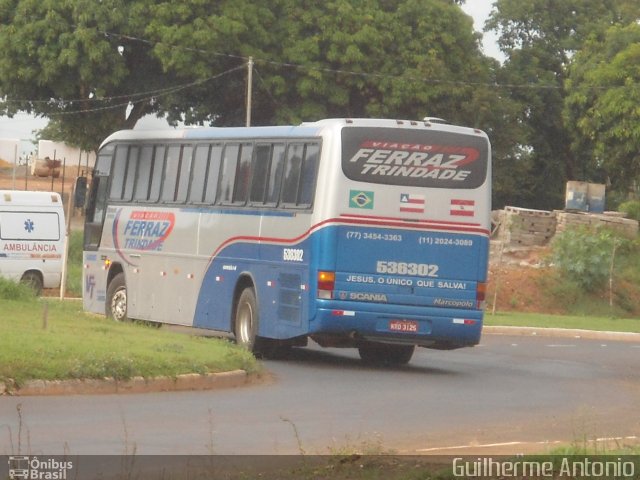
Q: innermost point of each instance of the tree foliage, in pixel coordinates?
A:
(59, 61)
(604, 94)
(561, 107)
(542, 39)
(95, 67)
(323, 59)
(539, 38)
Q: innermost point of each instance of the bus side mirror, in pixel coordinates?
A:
(80, 192)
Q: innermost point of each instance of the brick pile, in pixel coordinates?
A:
(613, 220)
(523, 227)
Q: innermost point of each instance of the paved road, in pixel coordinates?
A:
(508, 390)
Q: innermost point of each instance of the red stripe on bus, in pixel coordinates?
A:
(361, 220)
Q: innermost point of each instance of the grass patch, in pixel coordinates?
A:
(73, 344)
(542, 320)
(16, 290)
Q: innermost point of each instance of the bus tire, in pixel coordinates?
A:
(33, 280)
(385, 353)
(116, 305)
(246, 321)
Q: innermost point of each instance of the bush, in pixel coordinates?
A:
(584, 255)
(631, 208)
(10, 290)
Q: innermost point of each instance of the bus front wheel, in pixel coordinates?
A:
(116, 307)
(246, 320)
(386, 353)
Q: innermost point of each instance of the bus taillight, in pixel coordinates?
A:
(326, 284)
(481, 294)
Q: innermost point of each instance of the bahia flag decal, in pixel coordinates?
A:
(411, 203)
(463, 208)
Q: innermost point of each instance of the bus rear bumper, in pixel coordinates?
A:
(443, 329)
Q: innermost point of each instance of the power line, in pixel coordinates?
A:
(245, 59)
(148, 94)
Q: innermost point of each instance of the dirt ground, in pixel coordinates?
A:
(24, 181)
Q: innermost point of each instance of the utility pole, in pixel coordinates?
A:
(249, 89)
(15, 164)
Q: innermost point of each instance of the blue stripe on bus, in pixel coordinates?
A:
(243, 211)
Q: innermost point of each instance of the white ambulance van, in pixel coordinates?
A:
(32, 234)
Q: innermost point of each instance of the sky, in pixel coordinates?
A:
(479, 10)
(21, 126)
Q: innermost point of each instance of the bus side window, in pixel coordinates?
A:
(292, 173)
(300, 173)
(228, 173)
(243, 174)
(275, 174)
(308, 175)
(184, 174)
(118, 172)
(213, 174)
(156, 173)
(130, 175)
(171, 167)
(260, 175)
(199, 174)
(143, 180)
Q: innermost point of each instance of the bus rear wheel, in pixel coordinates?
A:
(246, 320)
(386, 353)
(116, 306)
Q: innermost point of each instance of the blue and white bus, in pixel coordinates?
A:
(362, 233)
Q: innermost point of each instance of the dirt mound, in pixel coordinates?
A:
(522, 281)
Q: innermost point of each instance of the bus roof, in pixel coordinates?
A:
(304, 130)
(202, 133)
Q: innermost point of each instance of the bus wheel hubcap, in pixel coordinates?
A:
(119, 304)
(245, 318)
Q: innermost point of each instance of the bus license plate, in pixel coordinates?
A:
(408, 326)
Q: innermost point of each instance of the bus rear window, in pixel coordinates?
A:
(416, 158)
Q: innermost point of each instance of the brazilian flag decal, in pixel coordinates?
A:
(360, 199)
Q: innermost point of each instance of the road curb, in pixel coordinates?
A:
(186, 382)
(563, 333)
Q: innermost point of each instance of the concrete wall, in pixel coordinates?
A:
(8, 149)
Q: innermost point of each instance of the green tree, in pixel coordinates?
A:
(394, 58)
(59, 61)
(603, 97)
(94, 67)
(539, 38)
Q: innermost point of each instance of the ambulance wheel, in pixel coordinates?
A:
(116, 306)
(33, 280)
(386, 353)
(245, 326)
